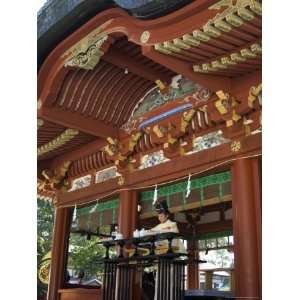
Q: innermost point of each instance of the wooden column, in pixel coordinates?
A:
(245, 231)
(127, 223)
(256, 170)
(59, 251)
(192, 269)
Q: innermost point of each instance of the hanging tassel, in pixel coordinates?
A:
(188, 188)
(155, 196)
(75, 213)
(94, 208)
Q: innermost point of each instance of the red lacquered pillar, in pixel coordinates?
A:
(127, 223)
(59, 251)
(245, 230)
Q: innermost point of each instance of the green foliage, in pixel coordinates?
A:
(83, 255)
(45, 221)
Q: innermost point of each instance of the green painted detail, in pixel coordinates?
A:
(197, 183)
(102, 206)
(114, 216)
(220, 192)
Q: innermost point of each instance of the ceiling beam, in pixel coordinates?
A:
(132, 65)
(178, 66)
(76, 121)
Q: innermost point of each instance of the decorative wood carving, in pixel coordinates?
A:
(226, 106)
(87, 52)
(121, 152)
(63, 138)
(254, 51)
(55, 180)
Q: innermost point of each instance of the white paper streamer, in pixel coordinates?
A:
(75, 213)
(94, 208)
(188, 188)
(155, 196)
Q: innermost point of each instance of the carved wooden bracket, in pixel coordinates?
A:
(226, 106)
(121, 153)
(55, 180)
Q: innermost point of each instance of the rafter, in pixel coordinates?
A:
(214, 83)
(132, 65)
(76, 121)
(83, 151)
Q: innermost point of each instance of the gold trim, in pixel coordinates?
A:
(39, 104)
(254, 93)
(62, 139)
(88, 59)
(222, 25)
(200, 35)
(234, 20)
(247, 53)
(40, 123)
(256, 48)
(145, 37)
(170, 46)
(234, 15)
(219, 65)
(236, 57)
(233, 59)
(181, 44)
(160, 48)
(235, 146)
(211, 30)
(190, 40)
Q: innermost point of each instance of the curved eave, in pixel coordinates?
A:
(58, 19)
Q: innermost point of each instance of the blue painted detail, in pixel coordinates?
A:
(165, 115)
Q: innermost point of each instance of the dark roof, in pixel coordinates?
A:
(58, 19)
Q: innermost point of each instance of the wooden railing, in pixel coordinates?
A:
(209, 277)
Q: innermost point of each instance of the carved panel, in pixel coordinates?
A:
(81, 182)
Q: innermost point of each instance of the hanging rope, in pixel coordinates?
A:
(164, 183)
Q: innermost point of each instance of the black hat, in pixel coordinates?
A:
(161, 207)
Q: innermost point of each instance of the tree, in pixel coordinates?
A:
(45, 221)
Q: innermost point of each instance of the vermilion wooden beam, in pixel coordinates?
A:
(174, 169)
(76, 121)
(124, 61)
(212, 82)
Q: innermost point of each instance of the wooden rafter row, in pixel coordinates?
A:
(62, 139)
(232, 17)
(226, 62)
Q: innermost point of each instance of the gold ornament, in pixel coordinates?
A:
(235, 146)
(121, 180)
(145, 37)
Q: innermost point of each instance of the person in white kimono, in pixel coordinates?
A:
(166, 225)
